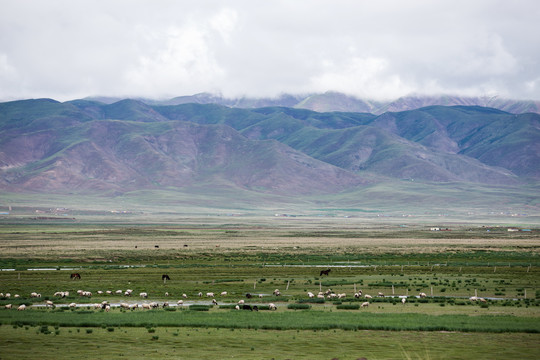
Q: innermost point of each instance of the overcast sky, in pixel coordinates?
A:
(373, 49)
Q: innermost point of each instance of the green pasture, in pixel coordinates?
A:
(257, 256)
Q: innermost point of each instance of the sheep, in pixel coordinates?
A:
(21, 308)
(108, 292)
(341, 296)
(35, 295)
(241, 302)
(154, 305)
(365, 304)
(128, 292)
(380, 294)
(423, 295)
(16, 296)
(358, 295)
(209, 294)
(8, 306)
(107, 308)
(87, 293)
(8, 295)
(184, 296)
(482, 300)
(166, 294)
(320, 296)
(72, 305)
(272, 306)
(49, 303)
(146, 306)
(214, 302)
(223, 293)
(124, 305)
(118, 292)
(143, 295)
(133, 306)
(368, 296)
(473, 298)
(97, 306)
(403, 300)
(199, 294)
(237, 307)
(165, 304)
(180, 302)
(277, 292)
(310, 294)
(99, 292)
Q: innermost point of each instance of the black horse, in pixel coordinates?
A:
(325, 272)
(75, 276)
(165, 277)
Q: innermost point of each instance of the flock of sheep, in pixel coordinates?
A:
(329, 294)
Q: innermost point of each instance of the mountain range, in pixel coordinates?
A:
(90, 146)
(334, 101)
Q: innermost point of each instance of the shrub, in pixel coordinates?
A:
(348, 307)
(298, 306)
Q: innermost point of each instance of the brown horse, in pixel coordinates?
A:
(75, 276)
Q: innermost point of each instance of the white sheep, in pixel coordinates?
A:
(107, 308)
(209, 294)
(108, 292)
(143, 295)
(310, 294)
(423, 295)
(133, 306)
(180, 302)
(403, 300)
(119, 292)
(365, 304)
(341, 296)
(8, 306)
(380, 294)
(368, 296)
(146, 306)
(241, 302)
(166, 304)
(223, 293)
(21, 308)
(72, 305)
(277, 292)
(199, 294)
(320, 296)
(35, 295)
(166, 294)
(100, 292)
(49, 303)
(184, 296)
(124, 305)
(237, 307)
(272, 306)
(214, 301)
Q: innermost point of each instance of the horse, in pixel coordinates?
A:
(325, 272)
(75, 276)
(165, 277)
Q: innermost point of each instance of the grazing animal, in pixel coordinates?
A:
(260, 296)
(248, 296)
(380, 294)
(237, 307)
(133, 306)
(166, 294)
(107, 308)
(247, 307)
(156, 246)
(8, 306)
(368, 296)
(214, 301)
(423, 295)
(272, 306)
(325, 272)
(21, 308)
(365, 304)
(277, 292)
(310, 294)
(146, 306)
(403, 300)
(241, 302)
(184, 296)
(180, 302)
(166, 304)
(209, 294)
(49, 303)
(165, 277)
(143, 295)
(223, 293)
(124, 305)
(72, 305)
(200, 294)
(75, 276)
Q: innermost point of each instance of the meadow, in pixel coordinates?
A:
(257, 255)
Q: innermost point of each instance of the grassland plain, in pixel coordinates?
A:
(257, 255)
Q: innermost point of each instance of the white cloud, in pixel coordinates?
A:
(66, 49)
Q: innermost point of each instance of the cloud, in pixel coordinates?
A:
(65, 49)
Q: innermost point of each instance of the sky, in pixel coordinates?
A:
(384, 49)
